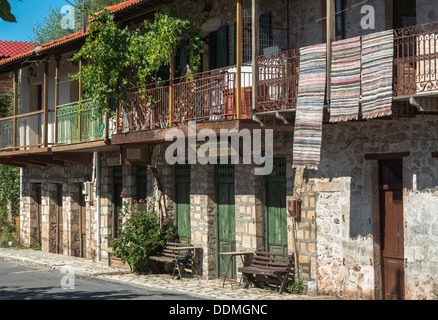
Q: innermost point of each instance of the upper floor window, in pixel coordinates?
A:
(340, 19)
(405, 13)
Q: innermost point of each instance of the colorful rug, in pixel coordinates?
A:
(345, 80)
(377, 74)
(310, 107)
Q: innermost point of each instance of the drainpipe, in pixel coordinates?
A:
(97, 168)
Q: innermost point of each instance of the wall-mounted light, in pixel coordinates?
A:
(32, 72)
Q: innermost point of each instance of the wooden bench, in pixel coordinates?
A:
(169, 256)
(268, 267)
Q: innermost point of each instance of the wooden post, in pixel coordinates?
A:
(330, 38)
(56, 98)
(106, 134)
(14, 126)
(171, 76)
(239, 58)
(79, 105)
(255, 51)
(46, 104)
(117, 117)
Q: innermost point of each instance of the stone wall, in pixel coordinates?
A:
(51, 180)
(347, 207)
(250, 199)
(202, 215)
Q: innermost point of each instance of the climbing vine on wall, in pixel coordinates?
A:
(9, 202)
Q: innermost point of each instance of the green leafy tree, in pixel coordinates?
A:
(6, 11)
(50, 28)
(119, 58)
(9, 202)
(141, 236)
(9, 186)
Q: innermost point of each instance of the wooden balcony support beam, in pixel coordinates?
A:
(46, 104)
(331, 35)
(56, 96)
(8, 162)
(255, 52)
(16, 94)
(76, 157)
(38, 160)
(239, 58)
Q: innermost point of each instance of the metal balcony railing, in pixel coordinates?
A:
(203, 97)
(277, 86)
(416, 60)
(79, 122)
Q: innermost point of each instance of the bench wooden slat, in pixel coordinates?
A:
(264, 265)
(263, 253)
(255, 267)
(279, 260)
(169, 253)
(274, 264)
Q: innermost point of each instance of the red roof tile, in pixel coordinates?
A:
(124, 5)
(37, 49)
(12, 48)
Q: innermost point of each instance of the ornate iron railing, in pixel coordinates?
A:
(277, 86)
(416, 59)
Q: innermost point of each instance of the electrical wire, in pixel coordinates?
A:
(337, 13)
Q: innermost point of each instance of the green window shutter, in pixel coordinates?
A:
(182, 202)
(213, 50)
(265, 27)
(222, 47)
(183, 60)
(142, 181)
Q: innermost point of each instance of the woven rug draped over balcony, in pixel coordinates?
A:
(310, 107)
(377, 74)
(345, 84)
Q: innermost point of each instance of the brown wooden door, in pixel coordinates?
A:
(392, 235)
(60, 219)
(39, 214)
(83, 226)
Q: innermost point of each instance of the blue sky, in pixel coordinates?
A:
(27, 13)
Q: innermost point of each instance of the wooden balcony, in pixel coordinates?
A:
(27, 131)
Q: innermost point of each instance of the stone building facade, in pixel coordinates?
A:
(337, 241)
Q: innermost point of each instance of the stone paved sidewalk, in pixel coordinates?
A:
(205, 289)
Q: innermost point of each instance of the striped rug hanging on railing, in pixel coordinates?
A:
(345, 80)
(377, 74)
(310, 107)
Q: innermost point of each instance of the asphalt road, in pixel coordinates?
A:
(23, 283)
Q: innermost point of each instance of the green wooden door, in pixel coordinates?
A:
(276, 214)
(182, 186)
(226, 222)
